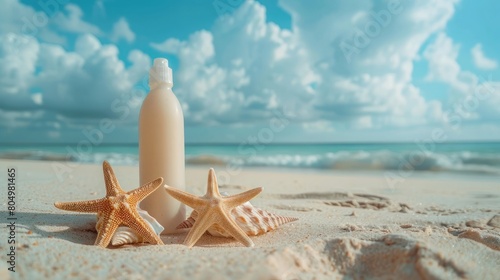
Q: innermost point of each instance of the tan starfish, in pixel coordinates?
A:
(212, 209)
(118, 207)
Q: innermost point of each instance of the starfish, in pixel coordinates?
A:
(118, 207)
(212, 209)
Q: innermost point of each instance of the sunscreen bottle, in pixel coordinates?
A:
(161, 146)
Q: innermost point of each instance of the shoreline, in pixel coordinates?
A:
(448, 159)
(349, 226)
(468, 175)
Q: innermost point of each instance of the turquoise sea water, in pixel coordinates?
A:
(478, 158)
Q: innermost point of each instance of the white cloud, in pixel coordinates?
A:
(241, 81)
(22, 19)
(318, 126)
(18, 58)
(121, 30)
(84, 84)
(15, 119)
(472, 96)
(245, 66)
(374, 87)
(480, 60)
(139, 70)
(442, 55)
(47, 86)
(98, 10)
(43, 20)
(90, 83)
(72, 21)
(207, 89)
(37, 98)
(171, 45)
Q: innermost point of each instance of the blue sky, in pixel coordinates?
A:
(325, 71)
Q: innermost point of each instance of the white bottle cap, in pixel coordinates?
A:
(160, 73)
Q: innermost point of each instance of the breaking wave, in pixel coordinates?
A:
(468, 162)
(361, 160)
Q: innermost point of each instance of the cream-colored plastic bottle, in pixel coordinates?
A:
(161, 146)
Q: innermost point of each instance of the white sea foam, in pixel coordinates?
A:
(473, 162)
(362, 160)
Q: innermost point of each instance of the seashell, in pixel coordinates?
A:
(125, 235)
(252, 220)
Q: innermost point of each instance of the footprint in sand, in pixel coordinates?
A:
(486, 239)
(234, 187)
(296, 208)
(494, 222)
(362, 201)
(392, 256)
(482, 231)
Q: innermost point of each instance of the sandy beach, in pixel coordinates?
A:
(351, 226)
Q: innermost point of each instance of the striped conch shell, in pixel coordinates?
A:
(125, 235)
(252, 220)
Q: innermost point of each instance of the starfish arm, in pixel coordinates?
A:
(203, 222)
(212, 186)
(186, 198)
(89, 206)
(145, 190)
(238, 199)
(234, 230)
(112, 186)
(141, 228)
(107, 230)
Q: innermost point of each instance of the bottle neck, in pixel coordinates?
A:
(158, 85)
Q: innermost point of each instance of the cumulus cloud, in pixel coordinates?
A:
(240, 81)
(442, 56)
(72, 21)
(480, 60)
(44, 21)
(22, 19)
(374, 87)
(245, 66)
(170, 45)
(18, 58)
(86, 83)
(90, 82)
(98, 10)
(121, 30)
(474, 97)
(341, 65)
(205, 84)
(56, 90)
(16, 119)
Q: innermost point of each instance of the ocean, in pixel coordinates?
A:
(473, 158)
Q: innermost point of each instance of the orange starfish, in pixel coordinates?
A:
(214, 209)
(118, 207)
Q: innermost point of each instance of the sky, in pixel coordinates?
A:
(260, 71)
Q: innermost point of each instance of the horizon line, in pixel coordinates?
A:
(266, 144)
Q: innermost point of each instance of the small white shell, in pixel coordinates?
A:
(252, 220)
(125, 235)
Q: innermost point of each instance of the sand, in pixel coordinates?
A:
(351, 226)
